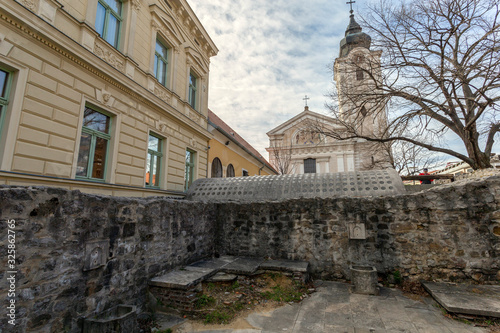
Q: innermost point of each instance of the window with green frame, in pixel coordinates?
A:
(5, 83)
(108, 20)
(153, 167)
(94, 145)
(193, 80)
(189, 175)
(161, 62)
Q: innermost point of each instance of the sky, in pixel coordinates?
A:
(271, 55)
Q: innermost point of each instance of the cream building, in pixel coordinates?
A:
(105, 96)
(297, 146)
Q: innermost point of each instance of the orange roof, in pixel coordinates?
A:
(231, 134)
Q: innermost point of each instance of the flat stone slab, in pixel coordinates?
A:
(214, 263)
(285, 265)
(479, 300)
(243, 266)
(180, 279)
(223, 277)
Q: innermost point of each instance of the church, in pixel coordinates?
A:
(302, 144)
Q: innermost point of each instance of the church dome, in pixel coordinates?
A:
(354, 37)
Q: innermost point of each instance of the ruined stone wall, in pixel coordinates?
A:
(450, 232)
(52, 233)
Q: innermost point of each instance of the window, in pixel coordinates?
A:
(161, 62)
(310, 165)
(192, 90)
(5, 82)
(216, 168)
(189, 175)
(363, 111)
(359, 74)
(230, 171)
(108, 20)
(245, 173)
(93, 145)
(153, 167)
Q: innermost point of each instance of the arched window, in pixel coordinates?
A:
(216, 168)
(230, 171)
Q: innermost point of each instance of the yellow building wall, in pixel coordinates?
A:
(235, 155)
(56, 75)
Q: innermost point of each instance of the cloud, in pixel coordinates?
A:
(271, 54)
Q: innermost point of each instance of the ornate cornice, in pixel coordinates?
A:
(109, 57)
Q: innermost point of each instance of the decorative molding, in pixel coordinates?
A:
(160, 93)
(160, 126)
(155, 25)
(109, 57)
(106, 97)
(30, 4)
(137, 4)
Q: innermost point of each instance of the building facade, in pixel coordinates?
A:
(105, 96)
(301, 144)
(230, 155)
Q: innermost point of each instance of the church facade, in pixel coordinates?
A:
(303, 144)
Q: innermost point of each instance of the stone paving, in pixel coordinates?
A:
(334, 309)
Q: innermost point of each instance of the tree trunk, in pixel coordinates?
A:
(479, 159)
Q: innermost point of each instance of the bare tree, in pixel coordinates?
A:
(439, 75)
(409, 159)
(281, 158)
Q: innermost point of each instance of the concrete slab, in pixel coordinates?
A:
(214, 263)
(243, 266)
(285, 265)
(480, 300)
(179, 279)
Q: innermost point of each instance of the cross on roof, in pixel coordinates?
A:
(350, 4)
(305, 99)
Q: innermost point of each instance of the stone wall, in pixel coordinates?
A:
(449, 232)
(53, 231)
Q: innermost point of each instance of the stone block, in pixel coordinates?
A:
(357, 231)
(96, 254)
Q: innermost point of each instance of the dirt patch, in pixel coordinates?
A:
(225, 305)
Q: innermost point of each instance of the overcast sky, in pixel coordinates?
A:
(271, 54)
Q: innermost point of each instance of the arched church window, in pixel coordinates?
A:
(216, 168)
(230, 171)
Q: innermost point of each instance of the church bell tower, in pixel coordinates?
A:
(356, 71)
